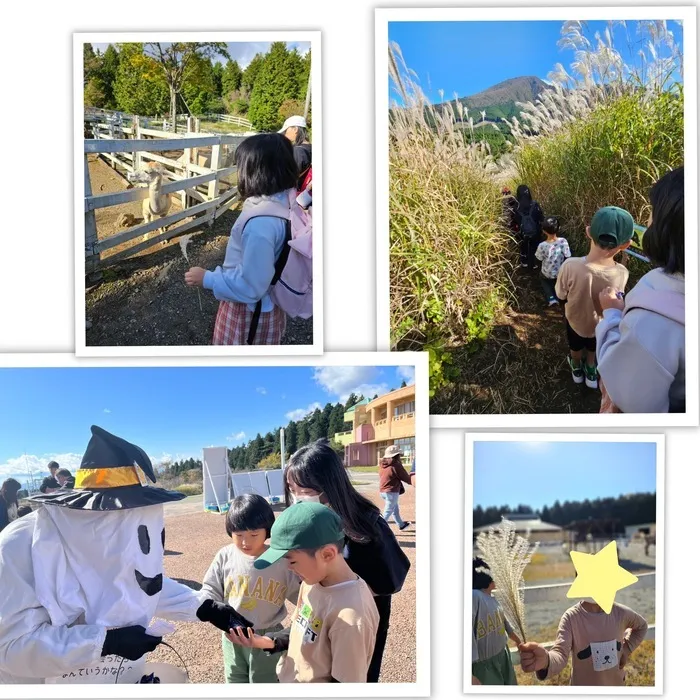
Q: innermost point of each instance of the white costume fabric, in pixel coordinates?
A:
(68, 575)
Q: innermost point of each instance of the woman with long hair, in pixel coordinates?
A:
(8, 502)
(316, 473)
(392, 476)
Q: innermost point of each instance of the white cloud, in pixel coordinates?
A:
(261, 390)
(407, 373)
(340, 382)
(22, 467)
(237, 437)
(300, 413)
(107, 410)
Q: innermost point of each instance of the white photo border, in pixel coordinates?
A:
(81, 347)
(540, 689)
(688, 15)
(421, 688)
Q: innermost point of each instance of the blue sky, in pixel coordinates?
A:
(243, 52)
(468, 57)
(539, 473)
(46, 413)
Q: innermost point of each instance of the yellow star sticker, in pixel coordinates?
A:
(599, 576)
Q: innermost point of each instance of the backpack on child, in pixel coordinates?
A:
(292, 283)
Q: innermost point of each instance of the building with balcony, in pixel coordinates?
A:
(387, 420)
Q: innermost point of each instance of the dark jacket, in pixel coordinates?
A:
(535, 210)
(391, 474)
(381, 561)
(302, 156)
(49, 483)
(4, 515)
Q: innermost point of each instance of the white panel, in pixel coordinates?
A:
(275, 483)
(258, 484)
(241, 484)
(215, 476)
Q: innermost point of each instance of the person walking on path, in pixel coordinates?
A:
(529, 218)
(316, 473)
(392, 476)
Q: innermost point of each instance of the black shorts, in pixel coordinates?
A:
(578, 343)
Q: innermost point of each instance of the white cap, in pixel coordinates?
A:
(392, 451)
(293, 121)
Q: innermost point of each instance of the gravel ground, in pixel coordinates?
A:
(144, 300)
(200, 644)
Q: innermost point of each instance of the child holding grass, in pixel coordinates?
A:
(267, 179)
(552, 253)
(491, 664)
(334, 626)
(599, 644)
(258, 595)
(580, 281)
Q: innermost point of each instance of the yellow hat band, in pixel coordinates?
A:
(108, 477)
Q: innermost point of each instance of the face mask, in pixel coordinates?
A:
(305, 499)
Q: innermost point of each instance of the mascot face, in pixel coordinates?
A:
(113, 562)
(604, 655)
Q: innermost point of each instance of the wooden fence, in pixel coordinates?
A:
(200, 180)
(228, 119)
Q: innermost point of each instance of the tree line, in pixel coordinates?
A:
(632, 509)
(151, 79)
(264, 451)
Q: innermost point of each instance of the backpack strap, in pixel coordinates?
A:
(279, 268)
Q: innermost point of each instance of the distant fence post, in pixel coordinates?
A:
(92, 259)
(213, 191)
(136, 134)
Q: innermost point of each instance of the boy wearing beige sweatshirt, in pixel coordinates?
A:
(599, 645)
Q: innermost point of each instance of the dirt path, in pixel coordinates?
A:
(522, 366)
(144, 301)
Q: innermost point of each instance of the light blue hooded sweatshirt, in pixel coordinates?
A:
(641, 350)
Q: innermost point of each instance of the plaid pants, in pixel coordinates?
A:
(233, 323)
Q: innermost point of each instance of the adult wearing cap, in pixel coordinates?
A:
(580, 282)
(295, 130)
(50, 483)
(85, 572)
(392, 476)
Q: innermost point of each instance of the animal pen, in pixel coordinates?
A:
(202, 175)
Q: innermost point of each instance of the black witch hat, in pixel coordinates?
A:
(113, 475)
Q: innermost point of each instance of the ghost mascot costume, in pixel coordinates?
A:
(82, 576)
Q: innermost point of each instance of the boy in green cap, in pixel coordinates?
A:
(334, 626)
(581, 280)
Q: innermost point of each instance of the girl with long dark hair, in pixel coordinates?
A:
(316, 473)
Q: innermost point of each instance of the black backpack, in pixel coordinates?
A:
(528, 225)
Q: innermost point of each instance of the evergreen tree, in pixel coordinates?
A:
(217, 72)
(291, 444)
(316, 430)
(255, 452)
(108, 75)
(403, 384)
(302, 434)
(352, 400)
(250, 74)
(336, 424)
(275, 82)
(231, 78)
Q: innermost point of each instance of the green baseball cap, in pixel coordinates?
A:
(612, 226)
(304, 525)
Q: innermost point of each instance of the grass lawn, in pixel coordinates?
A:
(363, 469)
(223, 127)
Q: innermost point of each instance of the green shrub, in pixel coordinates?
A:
(189, 489)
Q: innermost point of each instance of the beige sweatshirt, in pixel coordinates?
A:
(594, 641)
(332, 635)
(579, 283)
(258, 595)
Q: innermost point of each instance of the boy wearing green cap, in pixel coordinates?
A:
(581, 280)
(334, 626)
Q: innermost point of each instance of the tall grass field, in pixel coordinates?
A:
(602, 135)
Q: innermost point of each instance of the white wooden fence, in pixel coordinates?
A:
(228, 119)
(126, 148)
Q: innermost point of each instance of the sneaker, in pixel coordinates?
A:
(553, 301)
(523, 264)
(591, 376)
(576, 371)
(404, 526)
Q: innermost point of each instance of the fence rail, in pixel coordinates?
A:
(199, 175)
(551, 592)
